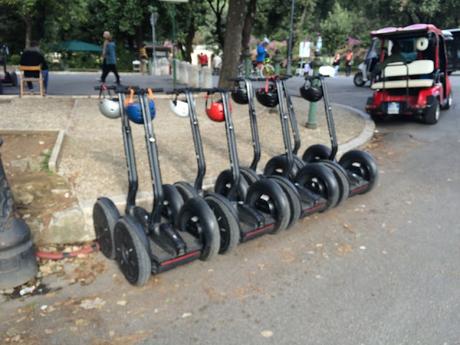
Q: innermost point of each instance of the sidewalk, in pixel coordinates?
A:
(92, 156)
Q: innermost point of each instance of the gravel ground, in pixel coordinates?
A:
(92, 156)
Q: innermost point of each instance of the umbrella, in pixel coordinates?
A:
(78, 46)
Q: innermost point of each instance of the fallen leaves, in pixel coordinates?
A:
(96, 303)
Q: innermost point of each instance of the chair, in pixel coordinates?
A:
(23, 80)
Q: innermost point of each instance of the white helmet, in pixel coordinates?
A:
(178, 107)
(109, 107)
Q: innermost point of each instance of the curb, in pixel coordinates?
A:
(365, 135)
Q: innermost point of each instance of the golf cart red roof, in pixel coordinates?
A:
(389, 31)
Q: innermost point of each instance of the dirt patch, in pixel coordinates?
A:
(38, 194)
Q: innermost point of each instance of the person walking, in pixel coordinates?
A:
(348, 62)
(33, 57)
(109, 58)
(336, 63)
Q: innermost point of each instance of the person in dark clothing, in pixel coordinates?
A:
(109, 58)
(33, 57)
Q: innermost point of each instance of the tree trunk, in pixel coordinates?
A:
(233, 35)
(189, 40)
(28, 23)
(248, 21)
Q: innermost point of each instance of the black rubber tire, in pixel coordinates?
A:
(197, 218)
(131, 254)
(448, 102)
(105, 216)
(141, 215)
(224, 182)
(293, 196)
(172, 203)
(186, 190)
(277, 203)
(358, 79)
(320, 180)
(227, 219)
(249, 175)
(316, 153)
(362, 164)
(432, 113)
(278, 165)
(342, 180)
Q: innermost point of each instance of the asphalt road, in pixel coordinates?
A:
(383, 268)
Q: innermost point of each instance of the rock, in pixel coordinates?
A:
(67, 226)
(20, 165)
(23, 197)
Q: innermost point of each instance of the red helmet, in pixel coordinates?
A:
(215, 109)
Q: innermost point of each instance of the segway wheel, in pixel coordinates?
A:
(293, 197)
(249, 175)
(105, 215)
(227, 219)
(131, 253)
(279, 166)
(186, 190)
(342, 180)
(172, 203)
(141, 215)
(268, 197)
(316, 153)
(321, 181)
(197, 218)
(360, 165)
(224, 184)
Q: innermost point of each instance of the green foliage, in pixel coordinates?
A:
(336, 28)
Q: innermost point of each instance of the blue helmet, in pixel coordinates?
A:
(134, 112)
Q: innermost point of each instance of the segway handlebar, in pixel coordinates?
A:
(126, 89)
(276, 77)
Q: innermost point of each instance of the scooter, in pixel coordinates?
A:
(261, 208)
(145, 242)
(315, 183)
(222, 208)
(358, 166)
(243, 94)
(366, 68)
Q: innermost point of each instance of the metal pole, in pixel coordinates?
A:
(291, 33)
(153, 19)
(174, 45)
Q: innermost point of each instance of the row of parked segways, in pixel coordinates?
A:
(186, 221)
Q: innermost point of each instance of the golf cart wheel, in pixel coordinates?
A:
(361, 165)
(172, 203)
(293, 197)
(186, 190)
(342, 180)
(316, 153)
(433, 112)
(131, 253)
(224, 184)
(320, 180)
(227, 219)
(249, 175)
(358, 79)
(268, 197)
(105, 215)
(279, 166)
(197, 218)
(448, 102)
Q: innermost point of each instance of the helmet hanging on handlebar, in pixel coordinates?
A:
(312, 90)
(133, 108)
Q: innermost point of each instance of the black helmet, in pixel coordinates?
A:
(240, 94)
(312, 90)
(268, 96)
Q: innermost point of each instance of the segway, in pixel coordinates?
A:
(223, 210)
(243, 94)
(145, 242)
(315, 183)
(359, 167)
(257, 209)
(10, 78)
(339, 173)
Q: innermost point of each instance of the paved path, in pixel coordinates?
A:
(381, 269)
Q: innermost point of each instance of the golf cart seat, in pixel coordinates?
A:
(400, 69)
